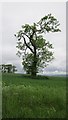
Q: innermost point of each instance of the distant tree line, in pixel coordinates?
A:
(8, 68)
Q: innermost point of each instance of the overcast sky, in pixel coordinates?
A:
(14, 15)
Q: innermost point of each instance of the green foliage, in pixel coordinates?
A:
(8, 68)
(24, 97)
(32, 45)
(40, 42)
(27, 63)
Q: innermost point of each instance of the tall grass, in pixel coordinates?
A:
(0, 95)
(24, 97)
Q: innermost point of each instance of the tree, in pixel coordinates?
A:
(2, 68)
(14, 69)
(8, 68)
(32, 45)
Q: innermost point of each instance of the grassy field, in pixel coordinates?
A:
(0, 96)
(26, 97)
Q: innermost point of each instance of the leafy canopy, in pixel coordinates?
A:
(32, 45)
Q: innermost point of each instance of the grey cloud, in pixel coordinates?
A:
(53, 69)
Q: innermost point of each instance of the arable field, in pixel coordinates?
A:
(26, 97)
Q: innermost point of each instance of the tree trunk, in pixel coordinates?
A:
(34, 65)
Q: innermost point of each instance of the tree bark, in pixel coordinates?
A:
(34, 65)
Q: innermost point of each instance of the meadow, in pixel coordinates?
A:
(27, 97)
(0, 96)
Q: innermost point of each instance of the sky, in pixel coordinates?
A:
(14, 15)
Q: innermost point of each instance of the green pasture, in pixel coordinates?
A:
(27, 97)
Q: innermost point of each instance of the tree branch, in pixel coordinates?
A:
(30, 38)
(27, 45)
(25, 35)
